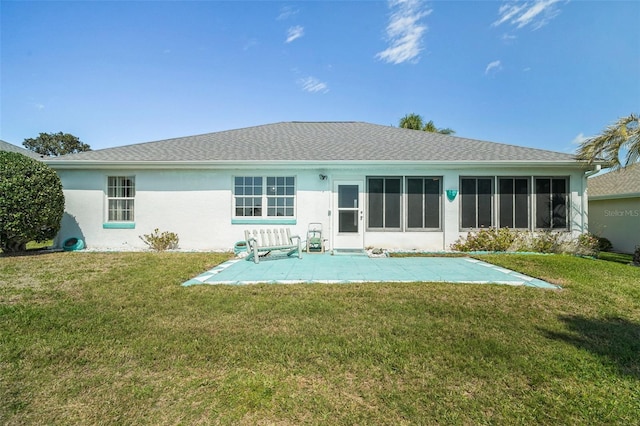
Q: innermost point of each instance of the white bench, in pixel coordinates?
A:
(268, 240)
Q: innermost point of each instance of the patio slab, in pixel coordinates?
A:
(343, 269)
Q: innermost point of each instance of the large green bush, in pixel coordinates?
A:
(31, 201)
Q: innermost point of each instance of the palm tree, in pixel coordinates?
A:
(619, 138)
(415, 122)
(430, 127)
(411, 121)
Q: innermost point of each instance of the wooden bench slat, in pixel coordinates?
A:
(265, 240)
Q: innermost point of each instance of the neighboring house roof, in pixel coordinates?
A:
(6, 146)
(318, 142)
(621, 183)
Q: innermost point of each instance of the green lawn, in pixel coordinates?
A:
(616, 257)
(112, 338)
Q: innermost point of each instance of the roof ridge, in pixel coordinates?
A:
(321, 122)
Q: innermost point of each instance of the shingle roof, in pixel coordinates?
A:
(6, 146)
(319, 141)
(616, 183)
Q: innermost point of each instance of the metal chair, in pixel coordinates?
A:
(315, 241)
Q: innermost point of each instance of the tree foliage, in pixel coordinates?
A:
(412, 121)
(31, 201)
(55, 144)
(621, 138)
(416, 122)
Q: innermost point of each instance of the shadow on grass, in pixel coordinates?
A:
(615, 339)
(30, 252)
(625, 259)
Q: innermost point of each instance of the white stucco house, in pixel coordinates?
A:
(614, 207)
(368, 185)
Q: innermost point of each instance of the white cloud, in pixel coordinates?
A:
(579, 139)
(508, 38)
(294, 33)
(493, 67)
(39, 106)
(313, 85)
(507, 12)
(404, 31)
(535, 13)
(287, 12)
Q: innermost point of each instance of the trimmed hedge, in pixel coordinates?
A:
(31, 201)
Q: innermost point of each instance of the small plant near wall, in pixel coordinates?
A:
(604, 244)
(587, 245)
(543, 242)
(161, 241)
(636, 257)
(489, 239)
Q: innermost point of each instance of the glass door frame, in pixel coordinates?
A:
(348, 240)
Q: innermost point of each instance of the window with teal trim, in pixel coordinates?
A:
(121, 192)
(253, 193)
(280, 196)
(248, 196)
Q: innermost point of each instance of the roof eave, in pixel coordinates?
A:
(226, 164)
(614, 196)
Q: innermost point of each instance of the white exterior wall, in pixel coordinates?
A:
(198, 204)
(618, 220)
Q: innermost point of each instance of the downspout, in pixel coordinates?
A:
(585, 195)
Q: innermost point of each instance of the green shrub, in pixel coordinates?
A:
(505, 239)
(32, 202)
(160, 242)
(546, 242)
(489, 239)
(636, 256)
(586, 245)
(604, 244)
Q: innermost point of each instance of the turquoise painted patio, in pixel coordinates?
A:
(343, 269)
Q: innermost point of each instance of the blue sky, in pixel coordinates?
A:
(539, 73)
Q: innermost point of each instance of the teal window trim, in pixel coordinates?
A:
(119, 225)
(264, 197)
(121, 192)
(263, 221)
